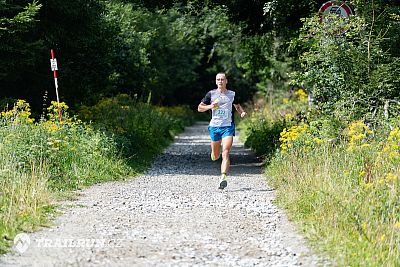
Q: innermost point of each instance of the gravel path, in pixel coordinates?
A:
(174, 215)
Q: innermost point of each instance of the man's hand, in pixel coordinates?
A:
(239, 109)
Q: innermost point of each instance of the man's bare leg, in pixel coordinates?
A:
(215, 149)
(226, 148)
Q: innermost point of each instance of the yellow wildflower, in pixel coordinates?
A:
(383, 237)
(357, 137)
(318, 141)
(365, 145)
(288, 136)
(394, 154)
(364, 225)
(391, 177)
(394, 134)
(301, 95)
(357, 132)
(21, 112)
(288, 117)
(54, 106)
(368, 186)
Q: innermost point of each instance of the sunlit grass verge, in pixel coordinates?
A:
(38, 160)
(346, 195)
(24, 198)
(339, 181)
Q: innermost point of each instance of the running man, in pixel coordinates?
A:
(222, 126)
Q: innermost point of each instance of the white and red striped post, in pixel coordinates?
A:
(53, 63)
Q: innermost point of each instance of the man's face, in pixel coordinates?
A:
(221, 80)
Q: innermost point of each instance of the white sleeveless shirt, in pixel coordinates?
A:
(223, 115)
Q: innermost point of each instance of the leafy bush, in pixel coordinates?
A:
(345, 67)
(262, 131)
(262, 135)
(140, 129)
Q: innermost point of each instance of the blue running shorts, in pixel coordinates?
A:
(217, 133)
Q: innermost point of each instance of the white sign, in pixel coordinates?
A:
(53, 63)
(339, 8)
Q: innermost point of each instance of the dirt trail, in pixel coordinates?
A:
(174, 215)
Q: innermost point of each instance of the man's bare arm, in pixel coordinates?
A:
(239, 109)
(204, 107)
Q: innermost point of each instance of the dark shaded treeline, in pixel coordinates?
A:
(166, 51)
(169, 48)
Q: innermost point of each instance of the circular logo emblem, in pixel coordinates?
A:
(21, 242)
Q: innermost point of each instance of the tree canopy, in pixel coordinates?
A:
(170, 50)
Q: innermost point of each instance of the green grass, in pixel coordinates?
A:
(353, 221)
(339, 182)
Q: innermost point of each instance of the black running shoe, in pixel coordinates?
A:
(223, 184)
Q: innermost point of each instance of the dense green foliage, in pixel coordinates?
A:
(166, 52)
(140, 129)
(169, 48)
(80, 38)
(109, 47)
(350, 65)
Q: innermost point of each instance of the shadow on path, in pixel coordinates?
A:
(193, 150)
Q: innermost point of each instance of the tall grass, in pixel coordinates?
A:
(24, 198)
(40, 159)
(347, 203)
(339, 181)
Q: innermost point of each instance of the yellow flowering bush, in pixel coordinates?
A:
(301, 95)
(294, 106)
(306, 136)
(358, 133)
(20, 113)
(289, 136)
(55, 110)
(358, 136)
(58, 143)
(391, 147)
(59, 119)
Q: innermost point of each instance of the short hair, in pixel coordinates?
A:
(222, 73)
